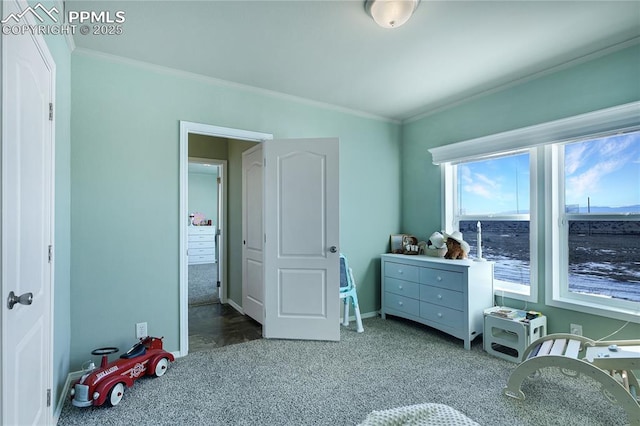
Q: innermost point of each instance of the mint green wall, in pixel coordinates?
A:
(124, 190)
(203, 195)
(600, 83)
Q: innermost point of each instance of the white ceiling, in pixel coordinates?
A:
(333, 52)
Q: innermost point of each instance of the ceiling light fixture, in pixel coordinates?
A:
(390, 13)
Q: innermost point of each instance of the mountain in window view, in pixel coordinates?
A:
(604, 209)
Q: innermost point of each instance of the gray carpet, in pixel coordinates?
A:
(393, 363)
(202, 284)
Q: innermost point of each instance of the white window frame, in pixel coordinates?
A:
(557, 256)
(546, 137)
(451, 221)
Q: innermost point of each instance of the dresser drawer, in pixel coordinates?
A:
(201, 251)
(202, 259)
(202, 230)
(440, 278)
(400, 271)
(201, 244)
(201, 237)
(402, 288)
(402, 304)
(443, 297)
(440, 314)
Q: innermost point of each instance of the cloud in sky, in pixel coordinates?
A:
(588, 163)
(478, 183)
(489, 186)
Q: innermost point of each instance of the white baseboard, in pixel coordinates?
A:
(235, 306)
(363, 316)
(71, 377)
(371, 314)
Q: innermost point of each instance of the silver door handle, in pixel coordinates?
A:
(25, 299)
(333, 249)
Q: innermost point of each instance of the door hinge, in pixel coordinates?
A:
(50, 111)
(50, 253)
(219, 181)
(265, 162)
(48, 397)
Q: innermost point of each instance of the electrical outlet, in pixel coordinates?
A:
(576, 329)
(141, 330)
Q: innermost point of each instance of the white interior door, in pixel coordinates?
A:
(27, 188)
(252, 233)
(301, 255)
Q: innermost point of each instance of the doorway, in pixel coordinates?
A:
(295, 170)
(221, 320)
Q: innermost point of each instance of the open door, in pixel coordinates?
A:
(252, 234)
(26, 227)
(301, 255)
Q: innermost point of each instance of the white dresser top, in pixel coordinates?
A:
(421, 258)
(202, 229)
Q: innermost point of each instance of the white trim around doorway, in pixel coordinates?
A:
(187, 128)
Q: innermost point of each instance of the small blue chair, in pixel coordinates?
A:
(348, 290)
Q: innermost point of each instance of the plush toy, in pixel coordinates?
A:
(457, 248)
(410, 245)
(436, 241)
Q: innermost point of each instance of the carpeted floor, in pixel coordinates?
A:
(203, 284)
(393, 363)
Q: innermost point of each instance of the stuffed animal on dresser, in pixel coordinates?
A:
(457, 248)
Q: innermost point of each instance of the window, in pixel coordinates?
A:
(598, 231)
(495, 193)
(583, 182)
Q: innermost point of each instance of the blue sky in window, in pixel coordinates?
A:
(603, 174)
(494, 186)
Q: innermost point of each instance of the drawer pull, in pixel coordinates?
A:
(439, 278)
(439, 296)
(400, 271)
(439, 314)
(399, 287)
(400, 303)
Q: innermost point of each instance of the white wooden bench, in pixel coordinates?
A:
(608, 362)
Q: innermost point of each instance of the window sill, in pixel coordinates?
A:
(622, 314)
(513, 291)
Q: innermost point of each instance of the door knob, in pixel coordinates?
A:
(25, 299)
(333, 249)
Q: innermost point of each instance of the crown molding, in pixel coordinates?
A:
(580, 60)
(225, 83)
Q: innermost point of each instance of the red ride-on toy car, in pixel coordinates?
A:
(107, 383)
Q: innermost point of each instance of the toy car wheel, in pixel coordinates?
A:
(161, 367)
(115, 394)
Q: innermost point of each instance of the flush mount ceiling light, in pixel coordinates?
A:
(390, 13)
